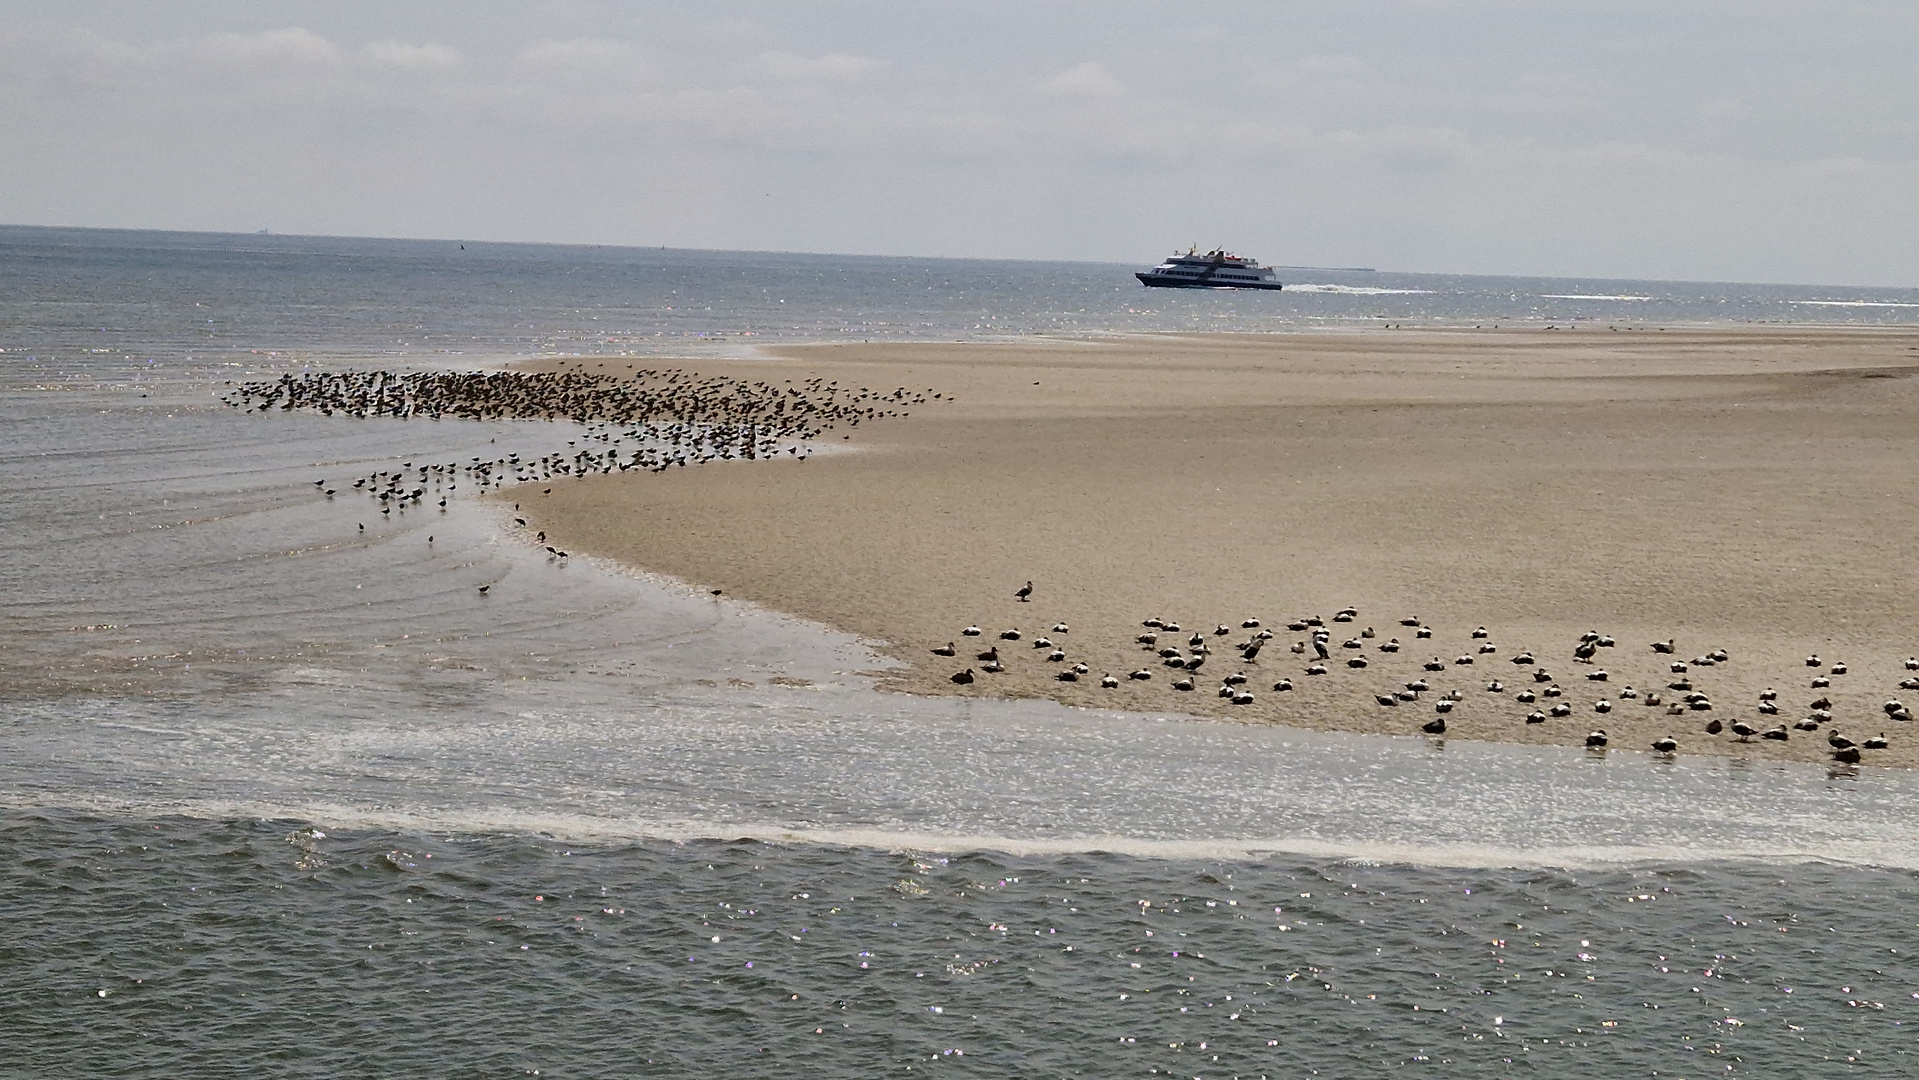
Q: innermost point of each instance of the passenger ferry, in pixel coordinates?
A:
(1213, 270)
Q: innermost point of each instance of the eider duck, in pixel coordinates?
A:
(963, 677)
(1665, 745)
(1595, 738)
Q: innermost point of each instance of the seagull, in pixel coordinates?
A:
(1024, 592)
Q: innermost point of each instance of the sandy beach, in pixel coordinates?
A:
(1748, 490)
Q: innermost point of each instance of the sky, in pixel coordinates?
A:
(1732, 140)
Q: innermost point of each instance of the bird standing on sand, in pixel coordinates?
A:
(1024, 592)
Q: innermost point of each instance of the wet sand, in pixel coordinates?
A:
(1752, 490)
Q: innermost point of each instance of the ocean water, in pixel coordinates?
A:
(283, 795)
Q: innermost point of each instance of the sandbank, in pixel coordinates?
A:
(1753, 490)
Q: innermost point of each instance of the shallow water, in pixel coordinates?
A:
(205, 660)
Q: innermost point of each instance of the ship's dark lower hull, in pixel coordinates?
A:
(1161, 281)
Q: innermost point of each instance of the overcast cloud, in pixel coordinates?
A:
(1709, 140)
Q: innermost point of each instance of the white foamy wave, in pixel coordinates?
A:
(1357, 290)
(1855, 303)
(1590, 296)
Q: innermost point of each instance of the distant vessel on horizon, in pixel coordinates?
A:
(1217, 269)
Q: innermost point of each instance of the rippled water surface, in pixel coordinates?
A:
(171, 946)
(282, 792)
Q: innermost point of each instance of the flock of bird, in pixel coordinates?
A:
(650, 420)
(1179, 656)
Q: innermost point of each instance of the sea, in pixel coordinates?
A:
(283, 794)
